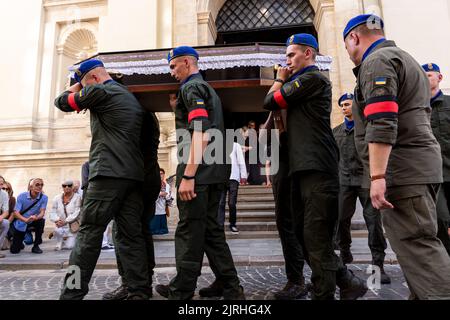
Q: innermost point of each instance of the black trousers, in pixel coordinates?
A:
(348, 196)
(232, 190)
(18, 236)
(151, 189)
(314, 197)
(106, 199)
(292, 250)
(443, 215)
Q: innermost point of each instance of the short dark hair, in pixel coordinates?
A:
(314, 51)
(162, 170)
(365, 31)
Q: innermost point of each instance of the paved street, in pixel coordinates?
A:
(259, 283)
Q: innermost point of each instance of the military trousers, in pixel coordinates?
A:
(348, 196)
(292, 250)
(443, 215)
(315, 213)
(198, 232)
(106, 199)
(151, 190)
(411, 228)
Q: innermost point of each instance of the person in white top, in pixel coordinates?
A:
(158, 225)
(4, 213)
(238, 176)
(65, 212)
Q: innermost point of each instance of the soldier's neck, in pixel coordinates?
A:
(435, 91)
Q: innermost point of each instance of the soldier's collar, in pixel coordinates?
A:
(305, 70)
(192, 76)
(378, 46)
(108, 81)
(372, 47)
(438, 97)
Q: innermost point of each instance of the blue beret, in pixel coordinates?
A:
(182, 51)
(371, 20)
(85, 67)
(303, 39)
(431, 67)
(346, 96)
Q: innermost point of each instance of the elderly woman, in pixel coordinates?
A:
(65, 214)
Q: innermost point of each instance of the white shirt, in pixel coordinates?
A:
(73, 209)
(4, 202)
(238, 169)
(161, 202)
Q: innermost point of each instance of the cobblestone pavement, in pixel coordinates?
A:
(259, 283)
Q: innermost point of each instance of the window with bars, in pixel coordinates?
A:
(245, 15)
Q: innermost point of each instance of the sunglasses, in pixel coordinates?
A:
(39, 185)
(67, 185)
(6, 189)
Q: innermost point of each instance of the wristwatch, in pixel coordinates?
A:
(280, 81)
(188, 177)
(378, 177)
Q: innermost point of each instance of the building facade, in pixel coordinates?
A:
(47, 36)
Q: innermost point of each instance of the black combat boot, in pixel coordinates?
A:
(214, 290)
(292, 291)
(351, 287)
(385, 279)
(119, 293)
(163, 290)
(239, 295)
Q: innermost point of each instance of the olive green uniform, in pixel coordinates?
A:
(313, 168)
(350, 179)
(116, 173)
(392, 106)
(151, 189)
(440, 123)
(198, 232)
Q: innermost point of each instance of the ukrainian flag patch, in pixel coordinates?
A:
(200, 102)
(381, 81)
(297, 84)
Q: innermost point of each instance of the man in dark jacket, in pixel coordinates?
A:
(440, 123)
(401, 157)
(313, 166)
(350, 179)
(115, 180)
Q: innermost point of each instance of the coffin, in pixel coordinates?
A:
(241, 74)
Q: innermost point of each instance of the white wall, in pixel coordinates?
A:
(129, 25)
(423, 29)
(19, 61)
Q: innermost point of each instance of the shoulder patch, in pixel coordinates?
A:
(381, 81)
(290, 87)
(200, 102)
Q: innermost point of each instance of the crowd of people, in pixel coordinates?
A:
(390, 153)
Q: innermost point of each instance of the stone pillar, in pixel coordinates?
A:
(207, 32)
(331, 18)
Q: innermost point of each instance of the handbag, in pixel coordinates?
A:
(73, 226)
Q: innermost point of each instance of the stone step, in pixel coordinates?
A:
(255, 226)
(247, 234)
(255, 191)
(254, 206)
(254, 216)
(251, 198)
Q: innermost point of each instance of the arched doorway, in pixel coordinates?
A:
(249, 21)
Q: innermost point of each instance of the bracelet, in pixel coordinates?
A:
(188, 177)
(378, 177)
(280, 81)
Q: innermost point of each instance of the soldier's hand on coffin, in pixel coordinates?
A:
(186, 190)
(173, 101)
(377, 195)
(283, 73)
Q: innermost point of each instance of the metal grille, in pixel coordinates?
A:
(242, 15)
